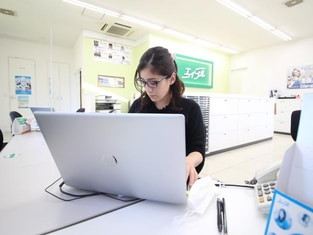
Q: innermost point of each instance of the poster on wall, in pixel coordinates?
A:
(300, 77)
(111, 52)
(23, 85)
(110, 81)
(23, 101)
(195, 72)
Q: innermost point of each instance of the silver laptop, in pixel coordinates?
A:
(41, 108)
(135, 155)
(34, 124)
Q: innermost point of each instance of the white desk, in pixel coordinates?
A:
(25, 208)
(159, 219)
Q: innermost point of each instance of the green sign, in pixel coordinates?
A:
(195, 72)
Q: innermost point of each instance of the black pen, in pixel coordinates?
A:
(224, 217)
(219, 214)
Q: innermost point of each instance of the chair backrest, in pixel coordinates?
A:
(1, 140)
(80, 110)
(14, 114)
(294, 124)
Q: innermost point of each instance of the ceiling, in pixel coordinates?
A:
(39, 20)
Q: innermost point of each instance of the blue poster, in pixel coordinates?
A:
(23, 85)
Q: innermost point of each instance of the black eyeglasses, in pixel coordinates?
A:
(152, 84)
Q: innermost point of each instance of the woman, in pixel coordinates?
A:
(161, 92)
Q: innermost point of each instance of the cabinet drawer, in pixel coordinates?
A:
(247, 135)
(288, 104)
(248, 105)
(282, 126)
(248, 120)
(220, 123)
(222, 140)
(265, 131)
(223, 105)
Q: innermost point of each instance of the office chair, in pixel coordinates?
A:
(272, 170)
(294, 124)
(2, 144)
(80, 110)
(14, 114)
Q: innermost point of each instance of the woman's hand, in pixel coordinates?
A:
(192, 161)
(191, 174)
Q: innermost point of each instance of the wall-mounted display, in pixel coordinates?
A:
(195, 72)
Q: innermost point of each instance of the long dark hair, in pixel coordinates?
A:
(161, 62)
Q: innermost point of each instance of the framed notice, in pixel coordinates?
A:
(300, 77)
(195, 72)
(111, 81)
(111, 52)
(23, 101)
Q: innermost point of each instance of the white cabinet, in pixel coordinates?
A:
(256, 120)
(283, 110)
(223, 123)
(60, 86)
(239, 121)
(233, 121)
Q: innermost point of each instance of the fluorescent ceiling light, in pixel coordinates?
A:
(215, 45)
(179, 34)
(141, 22)
(270, 28)
(261, 23)
(206, 43)
(158, 27)
(227, 49)
(92, 7)
(281, 35)
(241, 11)
(236, 8)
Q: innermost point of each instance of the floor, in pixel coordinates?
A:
(236, 166)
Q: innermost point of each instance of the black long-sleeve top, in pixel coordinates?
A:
(194, 127)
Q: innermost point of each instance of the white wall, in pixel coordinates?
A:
(259, 71)
(253, 73)
(40, 53)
